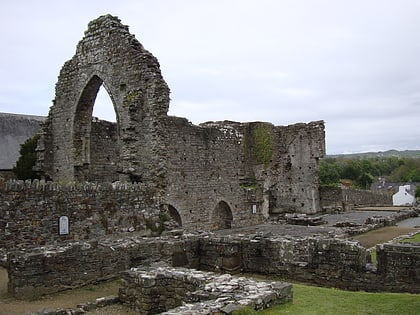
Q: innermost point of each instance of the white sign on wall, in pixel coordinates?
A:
(63, 225)
(254, 209)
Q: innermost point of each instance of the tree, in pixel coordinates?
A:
(24, 165)
(329, 172)
(417, 193)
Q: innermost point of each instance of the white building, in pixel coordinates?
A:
(403, 197)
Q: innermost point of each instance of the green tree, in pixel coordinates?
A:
(362, 171)
(329, 172)
(25, 163)
(417, 193)
(365, 180)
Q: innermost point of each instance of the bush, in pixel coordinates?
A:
(24, 165)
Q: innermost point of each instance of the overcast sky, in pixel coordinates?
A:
(353, 63)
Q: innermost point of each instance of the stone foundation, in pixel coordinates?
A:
(186, 291)
(50, 269)
(320, 260)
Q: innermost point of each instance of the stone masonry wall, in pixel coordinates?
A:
(29, 212)
(50, 269)
(399, 264)
(257, 169)
(335, 198)
(104, 152)
(323, 261)
(186, 291)
(107, 55)
(215, 175)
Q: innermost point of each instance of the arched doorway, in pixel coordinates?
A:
(174, 215)
(95, 141)
(222, 216)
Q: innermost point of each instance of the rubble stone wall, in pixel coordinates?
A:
(399, 264)
(187, 291)
(30, 212)
(323, 261)
(230, 162)
(215, 175)
(335, 198)
(50, 269)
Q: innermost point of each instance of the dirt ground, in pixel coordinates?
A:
(66, 299)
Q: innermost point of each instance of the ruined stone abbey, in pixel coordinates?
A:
(217, 174)
(161, 202)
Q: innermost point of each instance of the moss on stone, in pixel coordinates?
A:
(263, 143)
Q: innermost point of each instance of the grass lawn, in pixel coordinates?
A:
(315, 300)
(414, 239)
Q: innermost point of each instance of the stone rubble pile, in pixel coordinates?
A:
(187, 291)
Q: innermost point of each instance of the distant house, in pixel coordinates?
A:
(403, 197)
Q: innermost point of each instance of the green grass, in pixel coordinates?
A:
(413, 239)
(308, 300)
(373, 257)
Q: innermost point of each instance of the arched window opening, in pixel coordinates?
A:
(104, 108)
(222, 216)
(95, 144)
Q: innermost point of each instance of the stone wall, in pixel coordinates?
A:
(309, 259)
(399, 265)
(211, 193)
(107, 55)
(256, 169)
(103, 152)
(215, 175)
(336, 198)
(323, 261)
(187, 291)
(50, 269)
(30, 211)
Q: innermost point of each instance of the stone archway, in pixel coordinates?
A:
(95, 142)
(173, 213)
(222, 216)
(107, 55)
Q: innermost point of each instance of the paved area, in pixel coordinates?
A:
(410, 223)
(357, 217)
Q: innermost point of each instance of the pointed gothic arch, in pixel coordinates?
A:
(95, 142)
(173, 213)
(108, 55)
(222, 216)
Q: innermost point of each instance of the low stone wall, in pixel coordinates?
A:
(338, 199)
(399, 265)
(188, 291)
(324, 261)
(52, 269)
(319, 260)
